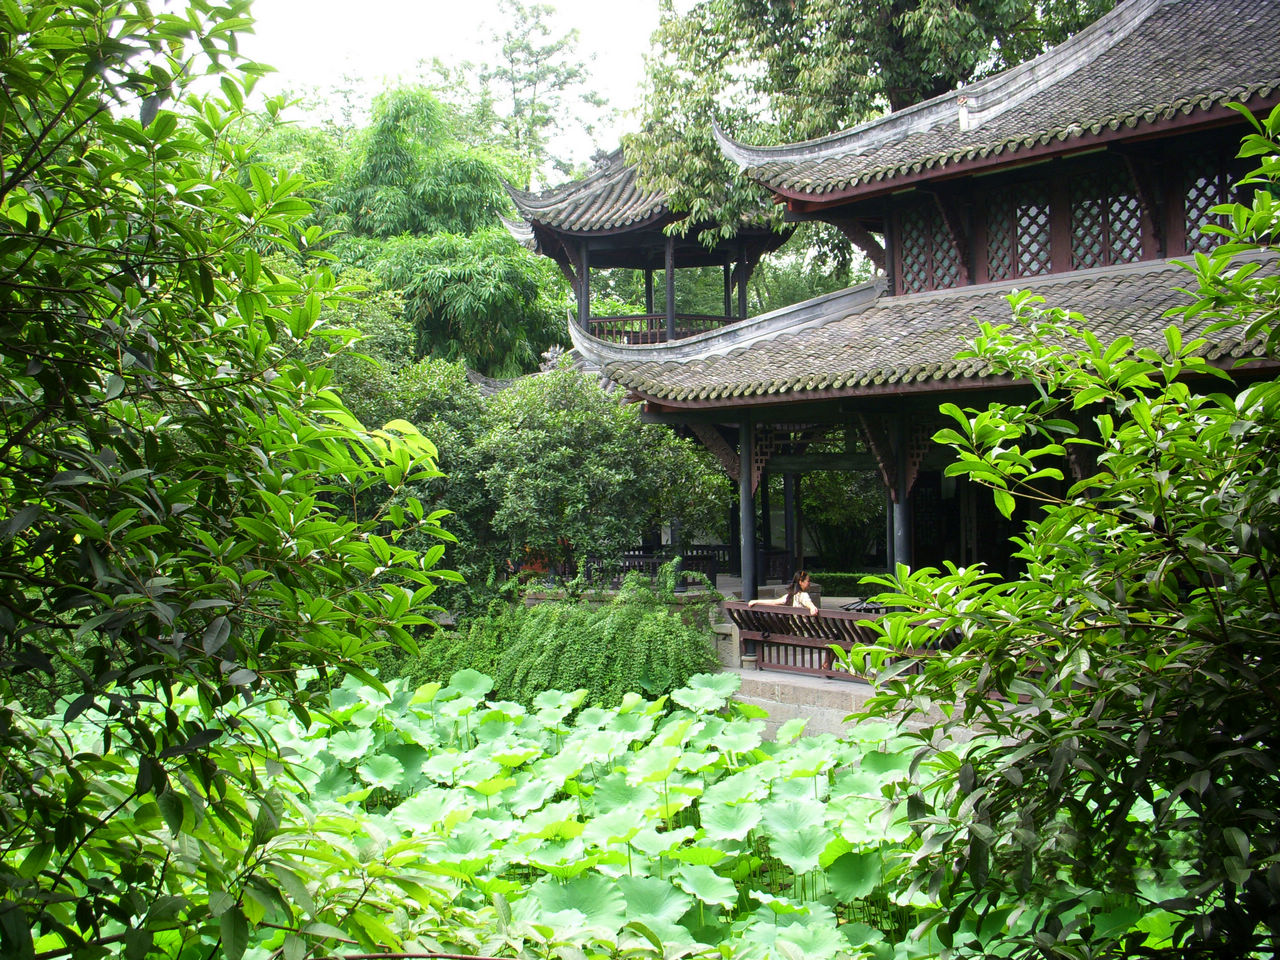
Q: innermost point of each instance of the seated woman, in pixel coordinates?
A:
(797, 595)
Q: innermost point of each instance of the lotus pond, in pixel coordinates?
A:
(430, 820)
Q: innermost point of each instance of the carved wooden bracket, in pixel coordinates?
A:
(718, 447)
(864, 240)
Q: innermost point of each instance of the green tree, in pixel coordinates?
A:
(572, 474)
(536, 87)
(786, 71)
(408, 173)
(170, 464)
(1140, 647)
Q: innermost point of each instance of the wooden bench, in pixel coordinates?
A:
(792, 639)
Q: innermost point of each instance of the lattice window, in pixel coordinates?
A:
(1202, 190)
(1106, 219)
(930, 260)
(1018, 233)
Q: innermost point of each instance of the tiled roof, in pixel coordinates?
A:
(609, 199)
(908, 343)
(1146, 62)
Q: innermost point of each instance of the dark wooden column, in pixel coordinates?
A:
(789, 504)
(728, 289)
(746, 510)
(584, 290)
(742, 281)
(670, 264)
(902, 498)
(648, 290)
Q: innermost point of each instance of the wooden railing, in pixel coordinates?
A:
(652, 327)
(792, 639)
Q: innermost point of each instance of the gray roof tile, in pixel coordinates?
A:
(910, 342)
(1146, 61)
(607, 200)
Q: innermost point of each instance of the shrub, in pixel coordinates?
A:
(633, 642)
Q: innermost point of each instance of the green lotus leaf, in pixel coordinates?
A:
(459, 707)
(855, 875)
(615, 791)
(750, 785)
(793, 814)
(597, 898)
(559, 767)
(699, 701)
(654, 843)
(471, 683)
(731, 821)
(351, 745)
(615, 826)
(799, 848)
(814, 938)
(383, 771)
(649, 899)
(749, 711)
(475, 769)
(739, 736)
(790, 730)
(706, 856)
(592, 718)
(514, 753)
(493, 786)
(808, 762)
(653, 764)
(632, 726)
(888, 767)
(530, 794)
(859, 934)
(432, 810)
(780, 906)
(425, 693)
(705, 884)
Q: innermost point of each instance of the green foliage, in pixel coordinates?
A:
(528, 87)
(844, 513)
(839, 584)
(574, 475)
(417, 211)
(409, 174)
(169, 463)
(784, 72)
(481, 299)
(437, 821)
(1140, 645)
(638, 640)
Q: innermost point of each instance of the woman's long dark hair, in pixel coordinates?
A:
(795, 586)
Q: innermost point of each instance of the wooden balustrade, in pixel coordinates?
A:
(652, 327)
(794, 640)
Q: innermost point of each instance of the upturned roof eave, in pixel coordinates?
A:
(1010, 154)
(986, 94)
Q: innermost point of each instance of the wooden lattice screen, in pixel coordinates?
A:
(1203, 188)
(1018, 233)
(930, 260)
(1106, 219)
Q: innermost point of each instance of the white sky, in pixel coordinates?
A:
(314, 43)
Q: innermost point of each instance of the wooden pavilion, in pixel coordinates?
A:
(607, 221)
(1083, 174)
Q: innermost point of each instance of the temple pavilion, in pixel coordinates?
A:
(1084, 174)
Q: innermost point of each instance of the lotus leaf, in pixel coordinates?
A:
(705, 884)
(729, 820)
(349, 745)
(383, 771)
(696, 854)
(599, 900)
(854, 876)
(790, 730)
